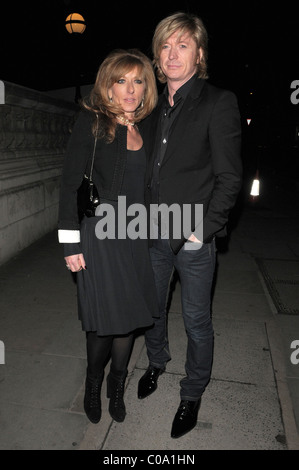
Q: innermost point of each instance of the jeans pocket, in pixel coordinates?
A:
(192, 246)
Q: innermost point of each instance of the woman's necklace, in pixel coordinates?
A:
(125, 121)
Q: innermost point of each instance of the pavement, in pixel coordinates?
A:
(252, 400)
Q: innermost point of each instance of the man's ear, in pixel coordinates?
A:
(200, 55)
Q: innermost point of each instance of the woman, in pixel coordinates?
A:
(116, 292)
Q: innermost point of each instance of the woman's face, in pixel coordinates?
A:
(128, 91)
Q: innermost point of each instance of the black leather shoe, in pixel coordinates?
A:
(185, 418)
(148, 382)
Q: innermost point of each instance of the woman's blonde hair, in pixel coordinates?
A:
(117, 64)
(185, 23)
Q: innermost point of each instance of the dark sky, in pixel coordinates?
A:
(251, 43)
(253, 51)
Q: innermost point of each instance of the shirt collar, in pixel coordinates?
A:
(183, 91)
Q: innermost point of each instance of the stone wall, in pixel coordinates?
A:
(34, 130)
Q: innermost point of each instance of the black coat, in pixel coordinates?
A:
(202, 163)
(108, 172)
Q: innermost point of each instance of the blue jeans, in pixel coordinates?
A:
(196, 272)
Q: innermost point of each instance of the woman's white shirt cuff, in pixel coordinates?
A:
(69, 236)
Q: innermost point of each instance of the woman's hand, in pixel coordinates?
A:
(75, 262)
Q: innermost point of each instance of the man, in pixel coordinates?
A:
(192, 139)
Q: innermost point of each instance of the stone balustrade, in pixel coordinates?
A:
(34, 130)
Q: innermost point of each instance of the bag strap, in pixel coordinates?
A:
(94, 149)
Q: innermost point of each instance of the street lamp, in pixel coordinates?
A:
(75, 25)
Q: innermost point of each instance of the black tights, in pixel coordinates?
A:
(99, 349)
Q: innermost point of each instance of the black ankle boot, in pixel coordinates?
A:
(92, 397)
(115, 391)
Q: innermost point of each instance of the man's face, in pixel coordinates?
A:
(179, 57)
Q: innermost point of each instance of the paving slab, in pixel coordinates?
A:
(31, 428)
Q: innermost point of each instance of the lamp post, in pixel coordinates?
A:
(75, 25)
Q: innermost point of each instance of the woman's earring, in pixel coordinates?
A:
(110, 99)
(142, 102)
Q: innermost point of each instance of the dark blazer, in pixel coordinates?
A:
(202, 163)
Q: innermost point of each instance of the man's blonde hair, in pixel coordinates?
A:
(185, 23)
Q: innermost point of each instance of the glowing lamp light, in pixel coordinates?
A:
(75, 23)
(255, 187)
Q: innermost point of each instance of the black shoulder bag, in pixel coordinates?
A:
(87, 194)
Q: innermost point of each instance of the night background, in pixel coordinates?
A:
(253, 51)
(254, 399)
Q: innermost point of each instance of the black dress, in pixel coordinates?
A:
(116, 293)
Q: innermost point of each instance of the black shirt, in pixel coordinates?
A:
(167, 118)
